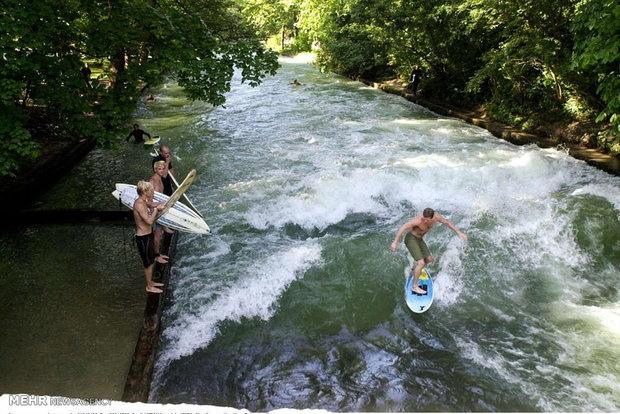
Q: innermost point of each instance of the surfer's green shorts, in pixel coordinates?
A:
(418, 249)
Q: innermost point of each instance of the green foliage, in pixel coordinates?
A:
(40, 70)
(597, 50)
(16, 148)
(528, 62)
(271, 17)
(351, 35)
(135, 42)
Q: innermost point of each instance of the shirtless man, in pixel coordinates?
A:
(145, 213)
(161, 183)
(416, 229)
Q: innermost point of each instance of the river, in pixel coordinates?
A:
(296, 300)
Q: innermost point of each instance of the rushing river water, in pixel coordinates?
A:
(296, 300)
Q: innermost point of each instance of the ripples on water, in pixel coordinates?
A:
(297, 301)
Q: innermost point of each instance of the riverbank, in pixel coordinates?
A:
(73, 302)
(481, 118)
(138, 384)
(56, 159)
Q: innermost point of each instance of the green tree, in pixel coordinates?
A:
(527, 62)
(445, 38)
(42, 90)
(527, 71)
(138, 42)
(273, 17)
(597, 51)
(350, 34)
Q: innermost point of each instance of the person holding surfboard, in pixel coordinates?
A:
(416, 229)
(145, 213)
(137, 134)
(161, 183)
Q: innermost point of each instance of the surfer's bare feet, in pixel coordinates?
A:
(417, 289)
(153, 289)
(157, 284)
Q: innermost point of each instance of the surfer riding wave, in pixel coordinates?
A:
(416, 229)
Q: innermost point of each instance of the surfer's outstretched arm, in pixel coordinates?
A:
(442, 220)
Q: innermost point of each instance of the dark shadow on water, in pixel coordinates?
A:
(352, 223)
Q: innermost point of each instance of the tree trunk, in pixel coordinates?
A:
(558, 87)
(117, 65)
(282, 38)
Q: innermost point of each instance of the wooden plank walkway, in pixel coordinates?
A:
(138, 384)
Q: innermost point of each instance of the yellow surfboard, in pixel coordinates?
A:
(178, 192)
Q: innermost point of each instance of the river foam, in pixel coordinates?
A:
(253, 295)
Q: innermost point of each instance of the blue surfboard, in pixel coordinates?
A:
(419, 303)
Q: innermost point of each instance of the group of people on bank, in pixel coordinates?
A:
(145, 210)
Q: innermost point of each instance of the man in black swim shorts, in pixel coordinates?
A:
(145, 245)
(145, 213)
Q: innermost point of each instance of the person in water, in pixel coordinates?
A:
(416, 229)
(138, 134)
(145, 213)
(296, 82)
(162, 183)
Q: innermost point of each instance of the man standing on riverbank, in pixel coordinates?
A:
(416, 229)
(164, 155)
(85, 71)
(414, 79)
(145, 213)
(138, 134)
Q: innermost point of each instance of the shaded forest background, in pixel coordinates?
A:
(538, 65)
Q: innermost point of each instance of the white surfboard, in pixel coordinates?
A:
(178, 216)
(419, 303)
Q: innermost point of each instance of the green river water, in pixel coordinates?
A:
(296, 300)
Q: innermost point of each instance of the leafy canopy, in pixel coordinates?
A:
(134, 43)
